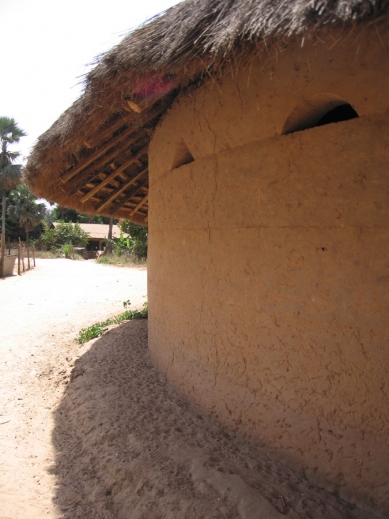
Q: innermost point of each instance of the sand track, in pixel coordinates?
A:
(95, 432)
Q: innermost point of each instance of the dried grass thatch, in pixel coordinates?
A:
(94, 158)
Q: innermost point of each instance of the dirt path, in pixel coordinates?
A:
(41, 314)
(95, 432)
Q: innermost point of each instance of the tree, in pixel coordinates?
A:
(64, 234)
(138, 234)
(25, 209)
(10, 173)
(108, 247)
(67, 214)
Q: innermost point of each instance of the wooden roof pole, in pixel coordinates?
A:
(154, 112)
(110, 177)
(87, 176)
(120, 190)
(142, 202)
(108, 131)
(130, 194)
(95, 155)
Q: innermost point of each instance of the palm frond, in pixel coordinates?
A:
(10, 176)
(9, 130)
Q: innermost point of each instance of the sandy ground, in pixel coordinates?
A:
(94, 431)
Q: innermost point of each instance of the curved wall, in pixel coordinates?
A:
(269, 262)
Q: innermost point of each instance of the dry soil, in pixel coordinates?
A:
(94, 431)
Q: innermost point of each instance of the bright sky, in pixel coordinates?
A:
(46, 47)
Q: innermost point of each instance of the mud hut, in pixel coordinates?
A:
(253, 140)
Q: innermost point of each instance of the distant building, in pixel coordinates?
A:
(98, 234)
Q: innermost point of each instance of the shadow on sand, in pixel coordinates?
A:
(128, 447)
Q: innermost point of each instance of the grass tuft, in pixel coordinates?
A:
(97, 329)
(46, 254)
(124, 260)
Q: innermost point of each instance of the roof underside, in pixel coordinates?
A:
(95, 157)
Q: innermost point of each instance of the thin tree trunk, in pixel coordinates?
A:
(108, 247)
(28, 248)
(2, 230)
(19, 256)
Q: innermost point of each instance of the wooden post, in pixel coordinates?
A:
(28, 257)
(24, 268)
(2, 256)
(19, 252)
(33, 253)
(9, 246)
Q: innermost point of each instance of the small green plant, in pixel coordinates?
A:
(97, 329)
(87, 334)
(68, 250)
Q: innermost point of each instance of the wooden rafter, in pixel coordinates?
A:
(95, 155)
(85, 177)
(129, 195)
(110, 177)
(120, 190)
(151, 114)
(101, 137)
(141, 203)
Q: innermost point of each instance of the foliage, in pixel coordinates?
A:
(68, 250)
(135, 244)
(139, 235)
(97, 329)
(64, 234)
(24, 209)
(10, 173)
(68, 215)
(122, 244)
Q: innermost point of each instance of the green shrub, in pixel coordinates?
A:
(97, 329)
(139, 237)
(68, 250)
(64, 234)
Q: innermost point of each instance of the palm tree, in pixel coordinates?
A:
(10, 173)
(25, 209)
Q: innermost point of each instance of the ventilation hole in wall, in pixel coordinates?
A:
(338, 114)
(317, 111)
(182, 156)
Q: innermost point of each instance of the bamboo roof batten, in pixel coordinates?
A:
(95, 155)
(134, 84)
(109, 131)
(88, 174)
(141, 203)
(120, 190)
(94, 170)
(129, 195)
(110, 177)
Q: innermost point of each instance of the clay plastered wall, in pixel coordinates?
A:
(269, 264)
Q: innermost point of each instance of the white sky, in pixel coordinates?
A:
(46, 47)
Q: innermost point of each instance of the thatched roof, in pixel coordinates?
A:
(95, 156)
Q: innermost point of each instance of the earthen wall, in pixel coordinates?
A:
(269, 262)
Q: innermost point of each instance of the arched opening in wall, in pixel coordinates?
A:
(317, 111)
(182, 156)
